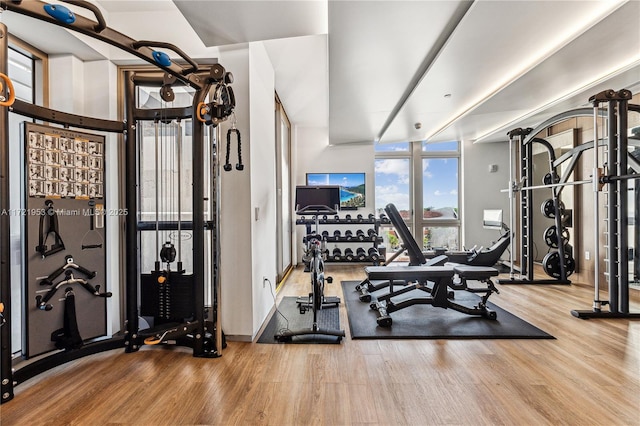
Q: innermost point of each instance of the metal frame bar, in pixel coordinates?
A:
(132, 242)
(572, 113)
(59, 117)
(612, 209)
(35, 9)
(622, 185)
(525, 209)
(636, 240)
(6, 376)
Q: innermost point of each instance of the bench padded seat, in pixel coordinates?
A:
(475, 272)
(409, 273)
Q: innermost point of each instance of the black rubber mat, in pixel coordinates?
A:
(288, 317)
(429, 322)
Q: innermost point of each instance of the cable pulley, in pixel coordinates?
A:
(222, 106)
(166, 91)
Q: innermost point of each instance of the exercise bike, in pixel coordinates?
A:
(314, 253)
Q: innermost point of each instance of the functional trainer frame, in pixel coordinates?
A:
(192, 334)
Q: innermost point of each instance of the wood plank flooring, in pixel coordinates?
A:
(588, 375)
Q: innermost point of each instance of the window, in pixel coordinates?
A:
(27, 67)
(423, 178)
(393, 185)
(284, 234)
(440, 218)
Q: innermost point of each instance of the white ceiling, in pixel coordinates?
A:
(390, 63)
(369, 70)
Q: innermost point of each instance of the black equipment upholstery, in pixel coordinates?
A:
(486, 257)
(435, 283)
(416, 257)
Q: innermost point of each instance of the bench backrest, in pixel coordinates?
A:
(416, 257)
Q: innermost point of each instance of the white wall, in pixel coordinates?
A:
(482, 190)
(263, 182)
(101, 101)
(236, 255)
(313, 154)
(248, 209)
(66, 88)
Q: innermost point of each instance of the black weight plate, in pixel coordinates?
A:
(551, 264)
(550, 236)
(548, 208)
(548, 179)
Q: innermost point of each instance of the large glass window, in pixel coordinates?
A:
(440, 183)
(393, 175)
(393, 185)
(440, 188)
(422, 179)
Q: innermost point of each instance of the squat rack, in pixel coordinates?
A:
(618, 161)
(202, 81)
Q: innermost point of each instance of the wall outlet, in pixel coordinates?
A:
(265, 281)
(587, 255)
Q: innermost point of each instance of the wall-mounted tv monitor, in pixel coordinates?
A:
(319, 195)
(492, 219)
(352, 187)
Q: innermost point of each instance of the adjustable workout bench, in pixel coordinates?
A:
(421, 272)
(366, 287)
(442, 277)
(416, 257)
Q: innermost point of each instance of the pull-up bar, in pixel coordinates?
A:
(99, 31)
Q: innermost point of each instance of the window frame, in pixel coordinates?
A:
(416, 156)
(40, 96)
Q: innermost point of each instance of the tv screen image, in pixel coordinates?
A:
(352, 186)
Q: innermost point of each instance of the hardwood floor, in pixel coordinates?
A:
(590, 374)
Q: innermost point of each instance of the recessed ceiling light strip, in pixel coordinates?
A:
(562, 41)
(607, 76)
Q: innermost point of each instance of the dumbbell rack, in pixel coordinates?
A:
(367, 240)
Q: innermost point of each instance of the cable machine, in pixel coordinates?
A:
(170, 298)
(198, 326)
